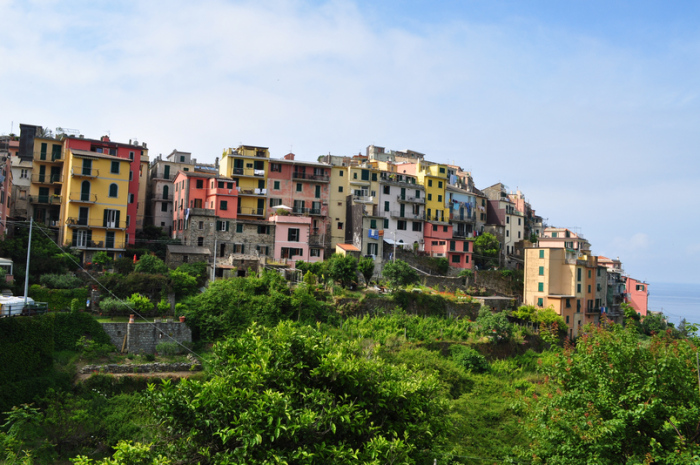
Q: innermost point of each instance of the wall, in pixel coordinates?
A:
(143, 337)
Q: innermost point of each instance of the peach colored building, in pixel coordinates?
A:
(292, 239)
(202, 191)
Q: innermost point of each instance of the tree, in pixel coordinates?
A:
(292, 394)
(342, 269)
(614, 400)
(151, 264)
(102, 259)
(486, 249)
(654, 323)
(182, 283)
(399, 274)
(366, 268)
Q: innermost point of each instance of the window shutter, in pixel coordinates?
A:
(218, 225)
(104, 220)
(227, 224)
(242, 248)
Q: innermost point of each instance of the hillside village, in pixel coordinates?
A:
(250, 210)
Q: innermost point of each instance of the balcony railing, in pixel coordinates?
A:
(362, 198)
(249, 172)
(455, 216)
(259, 192)
(436, 219)
(163, 198)
(73, 222)
(47, 178)
(407, 215)
(85, 172)
(85, 244)
(406, 198)
(251, 211)
(47, 157)
(310, 176)
(459, 233)
(306, 211)
(394, 179)
(46, 199)
(80, 197)
(162, 176)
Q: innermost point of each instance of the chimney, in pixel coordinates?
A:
(289, 156)
(104, 138)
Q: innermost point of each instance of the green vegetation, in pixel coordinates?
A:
(486, 250)
(399, 274)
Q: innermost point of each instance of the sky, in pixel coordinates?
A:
(590, 108)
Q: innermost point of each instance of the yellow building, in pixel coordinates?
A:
(96, 194)
(339, 191)
(248, 166)
(555, 277)
(46, 188)
(434, 179)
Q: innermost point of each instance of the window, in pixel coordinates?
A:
(314, 252)
(541, 271)
(540, 287)
(578, 274)
(568, 305)
(115, 167)
(430, 196)
(224, 205)
(439, 198)
(578, 288)
(263, 229)
(277, 167)
(113, 190)
(300, 187)
(164, 206)
(374, 176)
(507, 233)
(554, 234)
(386, 223)
(434, 227)
(386, 206)
(293, 235)
(222, 225)
(444, 229)
(239, 228)
(440, 184)
(434, 243)
(201, 225)
(541, 253)
(589, 273)
(518, 221)
(317, 193)
(372, 248)
(131, 155)
(401, 225)
(341, 174)
(430, 183)
(589, 288)
(373, 224)
(453, 246)
(200, 241)
(578, 305)
(540, 303)
(219, 184)
(354, 175)
(567, 318)
(24, 174)
(276, 185)
(518, 234)
(597, 287)
(340, 224)
(508, 219)
(128, 220)
(340, 188)
(465, 246)
(417, 194)
(131, 198)
(417, 226)
(200, 184)
(275, 202)
(455, 259)
(387, 189)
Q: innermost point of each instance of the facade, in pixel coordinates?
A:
(21, 184)
(637, 295)
(292, 239)
(248, 166)
(46, 199)
(502, 212)
(5, 190)
(339, 190)
(305, 187)
(402, 205)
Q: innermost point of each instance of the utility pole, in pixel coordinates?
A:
(213, 268)
(29, 252)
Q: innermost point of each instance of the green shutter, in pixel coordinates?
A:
(227, 226)
(540, 287)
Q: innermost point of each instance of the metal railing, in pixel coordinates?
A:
(412, 199)
(310, 176)
(73, 222)
(86, 172)
(251, 211)
(249, 172)
(47, 178)
(407, 215)
(82, 197)
(50, 199)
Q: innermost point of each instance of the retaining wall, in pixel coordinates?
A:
(144, 337)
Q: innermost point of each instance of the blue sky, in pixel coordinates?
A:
(589, 108)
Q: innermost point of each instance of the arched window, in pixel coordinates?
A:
(85, 191)
(165, 192)
(113, 190)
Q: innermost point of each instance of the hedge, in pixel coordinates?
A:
(58, 299)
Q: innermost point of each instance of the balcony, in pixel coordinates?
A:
(163, 198)
(363, 199)
(437, 219)
(398, 179)
(79, 197)
(248, 172)
(44, 157)
(409, 199)
(311, 177)
(73, 222)
(85, 172)
(460, 234)
(306, 211)
(251, 211)
(316, 240)
(162, 176)
(96, 245)
(46, 199)
(253, 192)
(407, 215)
(462, 218)
(47, 178)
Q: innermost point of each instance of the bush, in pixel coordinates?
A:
(124, 265)
(494, 325)
(114, 306)
(58, 299)
(399, 274)
(151, 264)
(469, 358)
(140, 303)
(60, 281)
(168, 348)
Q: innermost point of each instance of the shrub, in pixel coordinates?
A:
(140, 303)
(114, 306)
(124, 265)
(399, 274)
(168, 348)
(469, 358)
(163, 307)
(60, 281)
(151, 264)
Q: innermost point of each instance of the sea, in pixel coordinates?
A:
(676, 301)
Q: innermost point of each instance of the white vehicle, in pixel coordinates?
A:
(11, 306)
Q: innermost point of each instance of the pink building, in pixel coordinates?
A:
(5, 190)
(305, 187)
(128, 151)
(440, 243)
(292, 239)
(637, 295)
(194, 190)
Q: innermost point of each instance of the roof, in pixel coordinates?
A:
(348, 247)
(87, 153)
(188, 249)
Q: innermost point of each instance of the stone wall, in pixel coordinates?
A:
(144, 337)
(145, 368)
